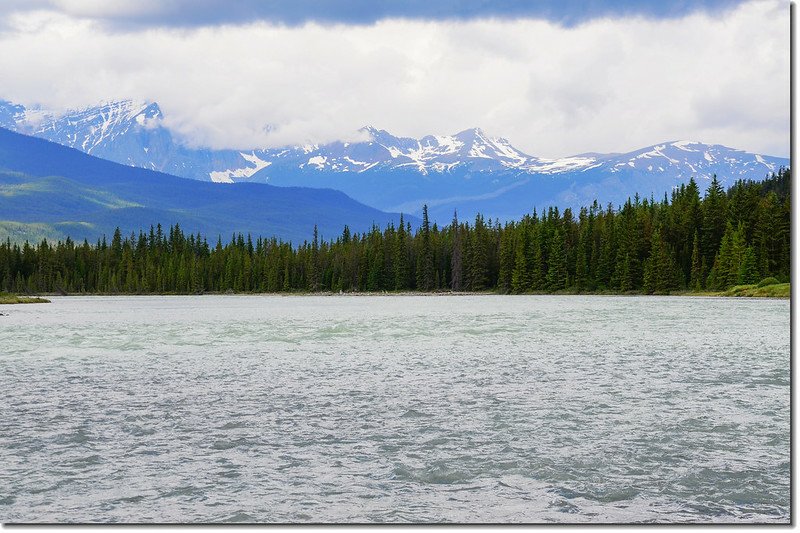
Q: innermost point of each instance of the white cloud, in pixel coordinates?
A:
(606, 85)
(93, 9)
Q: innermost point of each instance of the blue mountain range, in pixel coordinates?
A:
(49, 190)
(470, 171)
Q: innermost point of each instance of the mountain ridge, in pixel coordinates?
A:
(83, 196)
(390, 172)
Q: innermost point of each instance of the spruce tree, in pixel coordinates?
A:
(726, 267)
(581, 265)
(748, 269)
(537, 268)
(519, 276)
(478, 257)
(425, 271)
(696, 278)
(400, 260)
(456, 262)
(714, 219)
(661, 274)
(557, 268)
(508, 250)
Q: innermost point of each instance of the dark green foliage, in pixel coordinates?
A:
(557, 268)
(425, 269)
(457, 253)
(696, 275)
(748, 268)
(520, 275)
(715, 210)
(716, 242)
(661, 274)
(768, 281)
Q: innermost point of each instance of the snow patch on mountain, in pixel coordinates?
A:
(226, 176)
(565, 164)
(318, 161)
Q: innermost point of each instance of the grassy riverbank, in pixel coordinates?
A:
(779, 290)
(14, 299)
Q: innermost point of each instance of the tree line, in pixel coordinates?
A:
(684, 241)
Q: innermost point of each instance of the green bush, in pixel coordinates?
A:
(768, 281)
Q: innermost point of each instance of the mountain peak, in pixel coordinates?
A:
(10, 114)
(375, 132)
(687, 146)
(153, 110)
(471, 133)
(116, 111)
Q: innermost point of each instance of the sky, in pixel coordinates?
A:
(555, 78)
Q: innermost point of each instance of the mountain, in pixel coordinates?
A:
(127, 132)
(472, 172)
(49, 190)
(469, 171)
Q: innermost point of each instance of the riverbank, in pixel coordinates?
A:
(14, 299)
(781, 290)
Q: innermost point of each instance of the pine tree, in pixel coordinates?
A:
(661, 275)
(375, 278)
(581, 265)
(726, 267)
(313, 261)
(714, 219)
(456, 262)
(478, 258)
(605, 264)
(748, 269)
(696, 279)
(400, 258)
(557, 269)
(507, 260)
(520, 279)
(537, 269)
(425, 271)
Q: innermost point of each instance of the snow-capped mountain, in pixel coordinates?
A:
(11, 115)
(443, 153)
(127, 132)
(470, 150)
(97, 129)
(470, 170)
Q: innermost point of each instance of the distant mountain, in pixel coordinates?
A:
(469, 171)
(126, 132)
(49, 190)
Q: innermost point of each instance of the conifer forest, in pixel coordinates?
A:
(691, 240)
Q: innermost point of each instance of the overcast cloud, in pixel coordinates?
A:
(604, 84)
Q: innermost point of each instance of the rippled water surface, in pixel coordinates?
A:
(395, 409)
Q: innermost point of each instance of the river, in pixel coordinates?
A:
(395, 409)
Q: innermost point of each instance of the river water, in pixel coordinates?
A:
(395, 409)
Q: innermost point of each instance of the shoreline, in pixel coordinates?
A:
(13, 299)
(732, 293)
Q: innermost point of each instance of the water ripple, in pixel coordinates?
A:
(395, 409)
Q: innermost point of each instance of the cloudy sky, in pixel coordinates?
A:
(554, 77)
